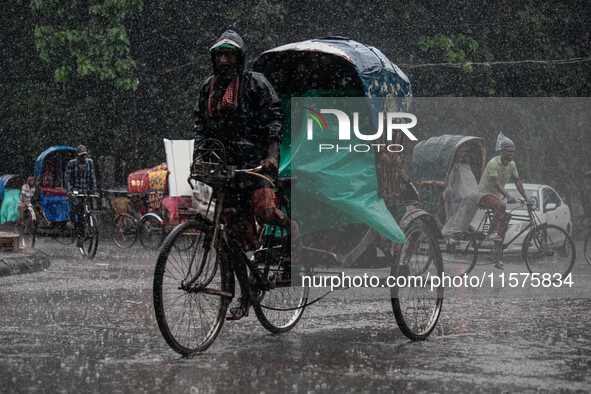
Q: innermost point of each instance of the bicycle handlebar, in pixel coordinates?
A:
(256, 169)
(76, 194)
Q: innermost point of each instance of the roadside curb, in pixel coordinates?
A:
(25, 261)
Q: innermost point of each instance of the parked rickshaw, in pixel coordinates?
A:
(359, 200)
(53, 210)
(157, 211)
(128, 207)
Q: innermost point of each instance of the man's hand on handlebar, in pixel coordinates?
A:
(270, 164)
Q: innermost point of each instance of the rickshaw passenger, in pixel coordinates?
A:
(499, 170)
(27, 192)
(241, 109)
(460, 195)
(79, 177)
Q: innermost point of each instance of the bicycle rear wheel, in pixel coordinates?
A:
(587, 247)
(27, 228)
(416, 305)
(550, 250)
(90, 237)
(459, 256)
(281, 306)
(151, 231)
(192, 288)
(125, 230)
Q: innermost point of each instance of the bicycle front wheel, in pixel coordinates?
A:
(192, 288)
(549, 249)
(416, 304)
(151, 231)
(90, 237)
(282, 305)
(125, 230)
(27, 228)
(587, 247)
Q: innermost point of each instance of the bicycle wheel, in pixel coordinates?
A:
(549, 249)
(90, 237)
(459, 256)
(587, 247)
(63, 235)
(281, 306)
(27, 228)
(192, 289)
(416, 305)
(151, 231)
(125, 230)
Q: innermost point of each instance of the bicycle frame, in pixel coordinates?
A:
(229, 247)
(532, 219)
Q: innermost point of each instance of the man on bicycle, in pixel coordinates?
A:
(499, 170)
(241, 109)
(79, 177)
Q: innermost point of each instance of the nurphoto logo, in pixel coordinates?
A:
(393, 121)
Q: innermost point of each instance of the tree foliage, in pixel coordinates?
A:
(86, 37)
(120, 75)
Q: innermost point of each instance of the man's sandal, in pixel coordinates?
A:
(239, 309)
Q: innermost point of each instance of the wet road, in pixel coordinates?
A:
(89, 326)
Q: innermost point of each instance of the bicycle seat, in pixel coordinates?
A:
(284, 182)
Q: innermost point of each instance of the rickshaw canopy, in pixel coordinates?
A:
(137, 182)
(9, 181)
(351, 188)
(153, 178)
(369, 69)
(40, 163)
(433, 158)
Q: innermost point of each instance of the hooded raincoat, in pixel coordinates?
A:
(247, 130)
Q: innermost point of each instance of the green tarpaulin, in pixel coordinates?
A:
(334, 188)
(9, 210)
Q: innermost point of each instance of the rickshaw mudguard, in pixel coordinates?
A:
(408, 217)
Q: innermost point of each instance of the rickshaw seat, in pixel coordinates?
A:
(54, 191)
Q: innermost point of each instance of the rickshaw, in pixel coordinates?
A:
(447, 170)
(10, 190)
(158, 212)
(53, 208)
(128, 207)
(364, 211)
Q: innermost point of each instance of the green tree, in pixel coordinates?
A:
(88, 38)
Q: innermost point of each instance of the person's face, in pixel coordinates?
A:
(31, 182)
(226, 60)
(81, 158)
(507, 154)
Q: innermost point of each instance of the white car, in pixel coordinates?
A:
(550, 209)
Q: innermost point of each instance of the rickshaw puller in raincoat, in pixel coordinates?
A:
(241, 109)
